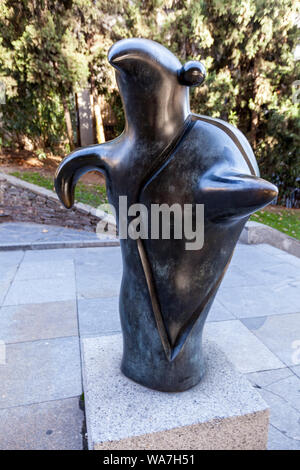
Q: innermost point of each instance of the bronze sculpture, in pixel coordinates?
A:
(168, 155)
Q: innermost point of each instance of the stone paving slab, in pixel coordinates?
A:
(281, 390)
(39, 371)
(98, 316)
(33, 322)
(237, 277)
(25, 236)
(279, 441)
(289, 390)
(4, 286)
(280, 333)
(296, 369)
(219, 313)
(54, 425)
(41, 270)
(44, 256)
(283, 416)
(269, 377)
(285, 257)
(273, 251)
(35, 371)
(7, 272)
(248, 257)
(94, 261)
(242, 348)
(268, 275)
(105, 285)
(255, 301)
(13, 232)
(11, 258)
(37, 291)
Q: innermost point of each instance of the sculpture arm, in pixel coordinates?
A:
(234, 195)
(79, 162)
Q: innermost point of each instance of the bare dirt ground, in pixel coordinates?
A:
(26, 161)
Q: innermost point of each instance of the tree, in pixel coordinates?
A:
(247, 48)
(50, 48)
(46, 59)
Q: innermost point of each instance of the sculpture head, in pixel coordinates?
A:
(152, 81)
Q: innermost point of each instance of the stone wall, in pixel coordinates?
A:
(24, 202)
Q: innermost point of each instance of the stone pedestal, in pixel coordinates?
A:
(222, 412)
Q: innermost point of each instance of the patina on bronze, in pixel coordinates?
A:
(168, 155)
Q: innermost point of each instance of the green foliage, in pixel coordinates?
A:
(49, 49)
(247, 47)
(92, 194)
(35, 178)
(43, 63)
(287, 221)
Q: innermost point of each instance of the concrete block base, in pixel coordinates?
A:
(222, 412)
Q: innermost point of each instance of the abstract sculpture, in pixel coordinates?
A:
(167, 155)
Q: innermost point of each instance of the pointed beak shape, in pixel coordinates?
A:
(145, 51)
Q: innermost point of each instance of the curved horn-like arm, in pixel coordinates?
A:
(74, 166)
(235, 195)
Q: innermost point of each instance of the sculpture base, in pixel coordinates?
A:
(222, 412)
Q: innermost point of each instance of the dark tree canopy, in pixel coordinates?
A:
(49, 49)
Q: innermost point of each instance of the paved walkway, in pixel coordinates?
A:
(49, 298)
(34, 236)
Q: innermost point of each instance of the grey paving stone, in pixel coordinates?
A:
(98, 316)
(281, 334)
(248, 257)
(275, 275)
(288, 258)
(4, 286)
(271, 250)
(282, 416)
(236, 277)
(296, 370)
(281, 255)
(255, 323)
(241, 347)
(40, 371)
(42, 256)
(54, 425)
(11, 257)
(7, 272)
(219, 313)
(98, 270)
(36, 291)
(268, 377)
(279, 441)
(33, 233)
(38, 321)
(257, 301)
(97, 260)
(101, 285)
(288, 389)
(45, 269)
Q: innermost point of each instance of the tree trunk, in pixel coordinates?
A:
(254, 114)
(100, 136)
(68, 123)
(98, 123)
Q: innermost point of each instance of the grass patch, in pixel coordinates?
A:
(284, 220)
(92, 194)
(34, 178)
